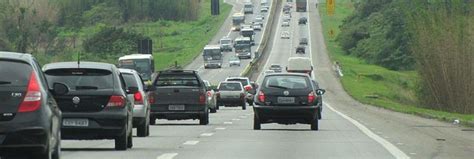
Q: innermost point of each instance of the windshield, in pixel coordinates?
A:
(142, 66)
(226, 41)
(177, 80)
(81, 79)
(230, 87)
(243, 81)
(212, 52)
(130, 80)
(14, 73)
(287, 82)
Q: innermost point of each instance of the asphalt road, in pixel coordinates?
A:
(348, 129)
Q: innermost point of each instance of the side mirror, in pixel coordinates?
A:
(60, 89)
(150, 88)
(320, 91)
(132, 90)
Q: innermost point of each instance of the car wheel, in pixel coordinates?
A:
(121, 142)
(204, 119)
(152, 121)
(217, 106)
(130, 140)
(244, 105)
(256, 123)
(315, 124)
(142, 129)
(44, 155)
(57, 150)
(320, 113)
(214, 110)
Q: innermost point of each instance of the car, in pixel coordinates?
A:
(276, 68)
(234, 61)
(285, 35)
(260, 16)
(300, 65)
(95, 104)
(211, 97)
(287, 98)
(286, 18)
(303, 20)
(231, 93)
(301, 49)
(226, 44)
(29, 115)
(303, 41)
(247, 84)
(285, 24)
(178, 95)
(141, 105)
(257, 26)
(264, 9)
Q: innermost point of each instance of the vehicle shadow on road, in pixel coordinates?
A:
(88, 149)
(286, 130)
(176, 124)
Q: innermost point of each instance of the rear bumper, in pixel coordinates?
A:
(230, 101)
(161, 111)
(102, 125)
(212, 65)
(286, 114)
(26, 133)
(139, 111)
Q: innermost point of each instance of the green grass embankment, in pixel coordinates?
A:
(372, 84)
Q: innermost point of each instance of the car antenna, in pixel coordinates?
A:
(78, 59)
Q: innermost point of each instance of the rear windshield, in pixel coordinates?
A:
(275, 66)
(177, 80)
(230, 87)
(287, 82)
(81, 79)
(14, 73)
(130, 80)
(243, 81)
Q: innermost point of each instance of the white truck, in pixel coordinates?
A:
(237, 20)
(299, 65)
(248, 7)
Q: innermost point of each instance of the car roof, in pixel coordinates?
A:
(25, 57)
(82, 64)
(229, 82)
(124, 70)
(212, 47)
(136, 56)
(289, 74)
(246, 78)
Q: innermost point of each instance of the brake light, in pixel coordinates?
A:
(248, 88)
(311, 97)
(202, 98)
(261, 96)
(116, 101)
(151, 98)
(138, 98)
(32, 100)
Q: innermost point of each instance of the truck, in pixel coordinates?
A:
(142, 63)
(178, 95)
(248, 8)
(299, 65)
(212, 55)
(237, 20)
(301, 5)
(243, 47)
(248, 32)
(226, 44)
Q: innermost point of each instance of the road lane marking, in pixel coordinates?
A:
(167, 156)
(207, 134)
(243, 117)
(220, 128)
(397, 153)
(235, 119)
(190, 142)
(227, 123)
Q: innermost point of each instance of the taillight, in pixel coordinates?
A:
(311, 97)
(138, 98)
(202, 98)
(261, 96)
(32, 100)
(151, 98)
(248, 88)
(116, 101)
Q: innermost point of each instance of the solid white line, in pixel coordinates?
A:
(207, 134)
(397, 153)
(167, 156)
(190, 142)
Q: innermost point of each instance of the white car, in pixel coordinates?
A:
(285, 35)
(257, 26)
(264, 9)
(285, 24)
(234, 61)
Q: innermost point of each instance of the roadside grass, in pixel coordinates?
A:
(375, 85)
(183, 41)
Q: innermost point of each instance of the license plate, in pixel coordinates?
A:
(76, 122)
(286, 100)
(176, 107)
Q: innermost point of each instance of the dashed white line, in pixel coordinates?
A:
(190, 142)
(220, 128)
(397, 153)
(228, 123)
(167, 156)
(207, 134)
(235, 119)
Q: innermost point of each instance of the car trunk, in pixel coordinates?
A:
(278, 97)
(13, 87)
(84, 100)
(230, 94)
(177, 95)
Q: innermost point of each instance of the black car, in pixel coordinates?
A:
(303, 20)
(287, 98)
(301, 49)
(304, 41)
(29, 115)
(96, 104)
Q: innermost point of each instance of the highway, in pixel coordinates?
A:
(348, 128)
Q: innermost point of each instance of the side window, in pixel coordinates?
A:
(122, 82)
(41, 77)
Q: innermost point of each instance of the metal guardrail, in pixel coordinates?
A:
(254, 64)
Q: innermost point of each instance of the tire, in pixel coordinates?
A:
(244, 105)
(214, 110)
(57, 150)
(121, 142)
(204, 119)
(130, 140)
(315, 124)
(256, 123)
(152, 121)
(142, 128)
(320, 109)
(43, 155)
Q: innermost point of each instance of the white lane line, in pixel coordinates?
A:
(227, 123)
(397, 153)
(220, 128)
(207, 134)
(190, 142)
(243, 117)
(167, 156)
(235, 119)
